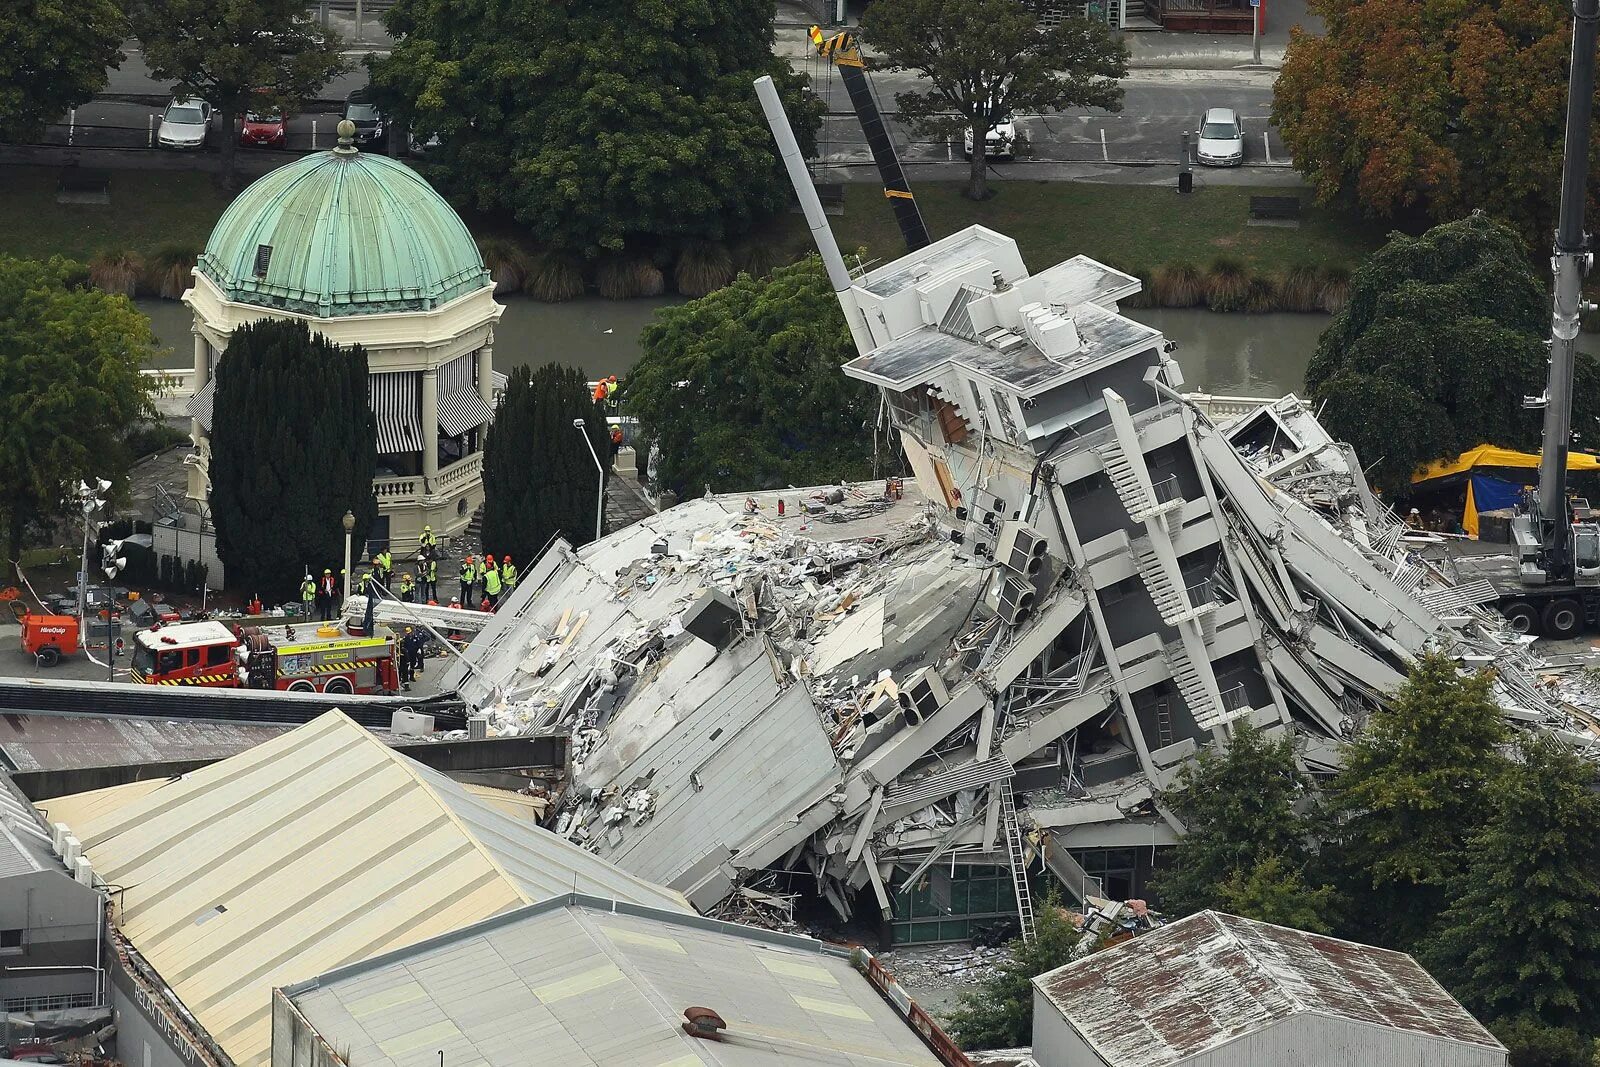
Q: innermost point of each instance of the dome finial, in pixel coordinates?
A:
(347, 138)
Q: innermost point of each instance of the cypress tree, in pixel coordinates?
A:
(539, 479)
(293, 446)
(1521, 937)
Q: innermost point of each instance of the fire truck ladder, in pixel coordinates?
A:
(1012, 831)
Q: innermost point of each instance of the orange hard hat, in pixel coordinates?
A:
(612, 378)
(489, 557)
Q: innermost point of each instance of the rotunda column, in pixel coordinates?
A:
(430, 429)
(486, 371)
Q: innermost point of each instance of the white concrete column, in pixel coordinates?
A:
(202, 375)
(486, 371)
(430, 428)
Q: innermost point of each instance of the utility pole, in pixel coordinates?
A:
(1255, 32)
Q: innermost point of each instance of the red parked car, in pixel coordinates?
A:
(266, 126)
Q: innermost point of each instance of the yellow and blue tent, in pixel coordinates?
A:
(1484, 490)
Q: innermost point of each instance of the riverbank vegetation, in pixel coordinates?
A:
(1193, 251)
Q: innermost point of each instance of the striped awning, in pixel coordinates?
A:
(396, 401)
(460, 407)
(198, 407)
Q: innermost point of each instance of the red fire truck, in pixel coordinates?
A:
(261, 657)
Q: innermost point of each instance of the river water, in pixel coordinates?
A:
(1245, 355)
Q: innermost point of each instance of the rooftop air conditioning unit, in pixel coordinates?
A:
(70, 851)
(922, 695)
(83, 871)
(1020, 548)
(1015, 601)
(58, 836)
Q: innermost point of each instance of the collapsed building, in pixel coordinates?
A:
(910, 698)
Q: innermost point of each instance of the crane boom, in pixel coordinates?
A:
(845, 54)
(1569, 262)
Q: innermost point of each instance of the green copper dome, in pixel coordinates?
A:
(342, 233)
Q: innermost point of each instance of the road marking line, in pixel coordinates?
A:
(1266, 145)
(1105, 153)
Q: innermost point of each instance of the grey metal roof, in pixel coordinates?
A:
(61, 742)
(1212, 978)
(579, 981)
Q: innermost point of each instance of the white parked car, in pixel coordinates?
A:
(1221, 141)
(185, 124)
(999, 143)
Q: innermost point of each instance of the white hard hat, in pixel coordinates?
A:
(1414, 511)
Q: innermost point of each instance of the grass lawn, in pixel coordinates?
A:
(1134, 228)
(1131, 227)
(149, 209)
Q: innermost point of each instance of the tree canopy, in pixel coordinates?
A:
(1441, 106)
(293, 446)
(987, 58)
(742, 389)
(1245, 848)
(607, 127)
(53, 57)
(1441, 339)
(998, 1013)
(236, 55)
(1522, 933)
(70, 388)
(539, 478)
(1413, 790)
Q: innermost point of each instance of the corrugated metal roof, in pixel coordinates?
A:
(317, 849)
(576, 982)
(349, 234)
(60, 742)
(1211, 978)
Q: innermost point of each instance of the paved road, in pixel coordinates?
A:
(1158, 106)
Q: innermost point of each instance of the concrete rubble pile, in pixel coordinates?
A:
(1088, 580)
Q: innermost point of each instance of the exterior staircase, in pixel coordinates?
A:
(1196, 696)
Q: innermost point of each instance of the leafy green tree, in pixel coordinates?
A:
(1432, 106)
(1244, 849)
(998, 1013)
(539, 478)
(70, 389)
(236, 56)
(1440, 341)
(985, 59)
(741, 389)
(1413, 790)
(607, 127)
(53, 56)
(293, 447)
(1275, 891)
(1522, 933)
(1533, 1044)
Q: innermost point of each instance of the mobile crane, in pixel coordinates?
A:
(1556, 590)
(843, 51)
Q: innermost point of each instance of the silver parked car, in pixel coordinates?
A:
(1221, 141)
(185, 124)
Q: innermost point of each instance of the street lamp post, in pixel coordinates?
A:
(600, 504)
(349, 531)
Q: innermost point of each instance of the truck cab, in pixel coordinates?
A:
(190, 654)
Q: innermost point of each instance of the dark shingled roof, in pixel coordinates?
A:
(1211, 978)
